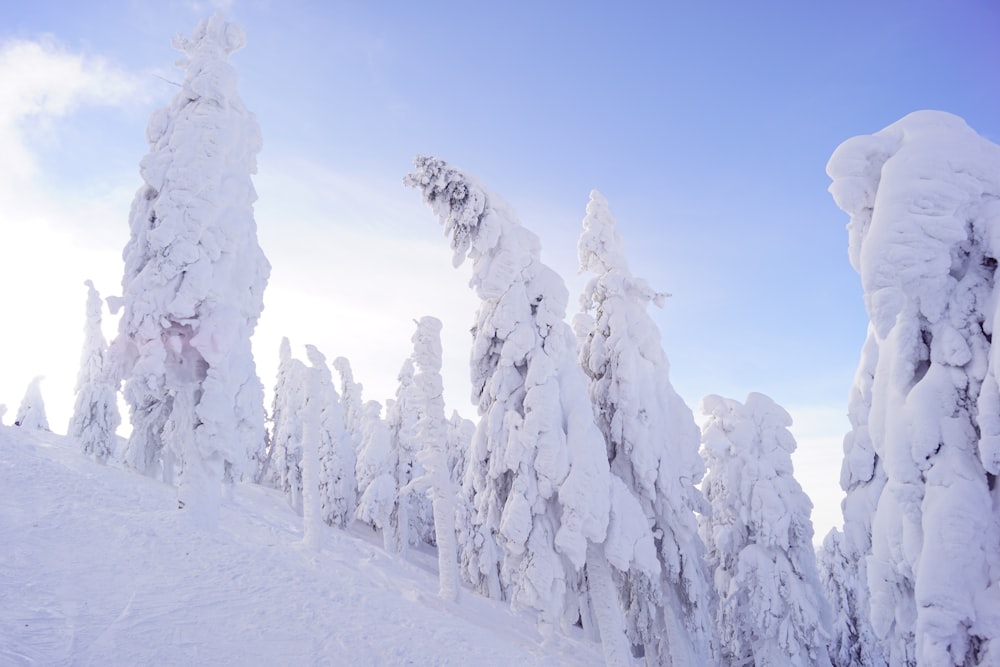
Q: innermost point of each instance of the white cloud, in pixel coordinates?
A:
(41, 267)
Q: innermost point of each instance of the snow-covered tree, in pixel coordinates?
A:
(310, 415)
(95, 413)
(350, 395)
(195, 276)
(862, 477)
(282, 470)
(924, 199)
(412, 515)
(337, 458)
(461, 431)
(537, 475)
(3, 411)
(375, 471)
(652, 444)
(848, 647)
(772, 610)
(31, 413)
(432, 436)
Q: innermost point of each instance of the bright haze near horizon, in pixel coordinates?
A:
(707, 127)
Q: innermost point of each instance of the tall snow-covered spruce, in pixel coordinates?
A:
(537, 475)
(923, 197)
(772, 610)
(652, 443)
(95, 413)
(194, 282)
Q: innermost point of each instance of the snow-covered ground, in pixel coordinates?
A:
(100, 568)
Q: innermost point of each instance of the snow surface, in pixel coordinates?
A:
(100, 569)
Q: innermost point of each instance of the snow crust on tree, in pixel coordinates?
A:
(95, 412)
(337, 458)
(194, 272)
(772, 610)
(537, 475)
(652, 444)
(923, 197)
(31, 413)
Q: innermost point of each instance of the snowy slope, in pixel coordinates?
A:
(98, 568)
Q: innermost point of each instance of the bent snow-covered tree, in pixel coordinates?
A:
(95, 413)
(759, 538)
(194, 280)
(537, 474)
(652, 443)
(924, 235)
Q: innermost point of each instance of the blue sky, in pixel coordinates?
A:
(706, 125)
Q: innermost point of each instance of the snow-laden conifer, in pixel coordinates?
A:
(95, 412)
(195, 275)
(652, 444)
(432, 436)
(310, 415)
(772, 610)
(282, 470)
(537, 474)
(337, 458)
(862, 477)
(412, 514)
(924, 199)
(350, 395)
(31, 413)
(376, 474)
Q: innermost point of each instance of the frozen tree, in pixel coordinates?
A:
(282, 469)
(652, 444)
(194, 278)
(759, 537)
(375, 471)
(95, 413)
(459, 437)
(838, 574)
(537, 474)
(337, 458)
(3, 411)
(350, 393)
(923, 197)
(310, 415)
(412, 514)
(432, 435)
(31, 414)
(862, 477)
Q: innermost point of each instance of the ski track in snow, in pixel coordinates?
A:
(101, 569)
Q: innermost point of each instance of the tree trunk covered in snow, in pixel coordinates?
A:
(194, 273)
(924, 199)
